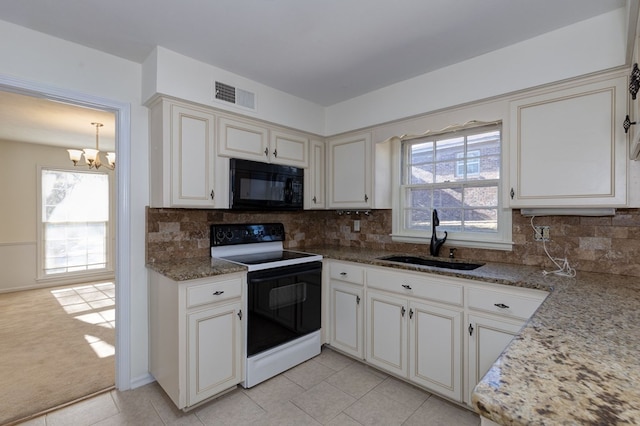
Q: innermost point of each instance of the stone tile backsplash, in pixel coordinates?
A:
(600, 244)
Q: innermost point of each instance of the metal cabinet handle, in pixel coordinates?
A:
(213, 194)
(501, 305)
(410, 313)
(470, 329)
(275, 153)
(407, 287)
(512, 193)
(314, 199)
(240, 314)
(403, 311)
(217, 293)
(344, 274)
(266, 152)
(366, 198)
(357, 300)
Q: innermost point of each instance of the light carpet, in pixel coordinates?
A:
(57, 345)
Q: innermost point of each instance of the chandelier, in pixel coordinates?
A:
(92, 156)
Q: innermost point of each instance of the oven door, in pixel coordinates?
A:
(284, 304)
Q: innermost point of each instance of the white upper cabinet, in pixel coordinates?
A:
(568, 146)
(350, 167)
(314, 177)
(184, 168)
(249, 141)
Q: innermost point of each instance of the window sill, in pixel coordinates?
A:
(83, 277)
(457, 242)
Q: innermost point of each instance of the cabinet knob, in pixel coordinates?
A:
(213, 194)
(410, 313)
(512, 193)
(407, 287)
(357, 300)
(314, 200)
(403, 311)
(217, 293)
(275, 153)
(344, 274)
(470, 329)
(240, 314)
(366, 198)
(501, 305)
(266, 152)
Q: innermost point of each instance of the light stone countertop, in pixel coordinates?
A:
(576, 362)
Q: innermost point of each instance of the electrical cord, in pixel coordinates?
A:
(564, 269)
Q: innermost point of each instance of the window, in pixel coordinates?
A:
(457, 173)
(74, 228)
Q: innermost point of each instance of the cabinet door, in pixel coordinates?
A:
(192, 157)
(314, 177)
(346, 318)
(568, 147)
(488, 337)
(288, 149)
(350, 164)
(435, 348)
(239, 139)
(387, 332)
(214, 351)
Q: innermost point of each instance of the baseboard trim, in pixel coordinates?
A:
(141, 381)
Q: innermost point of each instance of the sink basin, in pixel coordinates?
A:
(413, 260)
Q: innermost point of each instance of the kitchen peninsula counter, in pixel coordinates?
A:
(576, 362)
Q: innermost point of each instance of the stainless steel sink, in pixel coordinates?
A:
(437, 263)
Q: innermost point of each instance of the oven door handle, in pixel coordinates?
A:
(270, 278)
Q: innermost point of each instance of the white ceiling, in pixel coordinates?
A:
(324, 51)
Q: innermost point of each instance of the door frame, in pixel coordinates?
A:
(122, 112)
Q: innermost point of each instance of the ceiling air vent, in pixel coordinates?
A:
(233, 95)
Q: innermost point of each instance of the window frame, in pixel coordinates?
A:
(500, 240)
(108, 271)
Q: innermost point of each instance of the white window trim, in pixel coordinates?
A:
(107, 273)
(501, 240)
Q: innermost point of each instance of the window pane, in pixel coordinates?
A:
(446, 172)
(489, 167)
(418, 219)
(481, 220)
(447, 198)
(447, 149)
(450, 220)
(421, 198)
(421, 174)
(421, 153)
(75, 208)
(481, 196)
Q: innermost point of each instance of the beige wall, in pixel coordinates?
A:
(18, 221)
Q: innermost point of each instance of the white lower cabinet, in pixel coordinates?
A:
(387, 332)
(488, 337)
(435, 348)
(214, 346)
(346, 318)
(196, 336)
(416, 340)
(414, 323)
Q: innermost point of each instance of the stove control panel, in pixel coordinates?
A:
(236, 233)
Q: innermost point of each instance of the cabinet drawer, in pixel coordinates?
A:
(212, 292)
(503, 303)
(348, 272)
(425, 286)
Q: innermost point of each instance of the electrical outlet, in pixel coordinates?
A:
(541, 233)
(356, 226)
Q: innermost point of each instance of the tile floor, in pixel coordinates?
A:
(330, 389)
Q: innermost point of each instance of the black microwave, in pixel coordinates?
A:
(262, 186)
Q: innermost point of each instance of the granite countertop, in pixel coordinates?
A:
(197, 267)
(576, 362)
